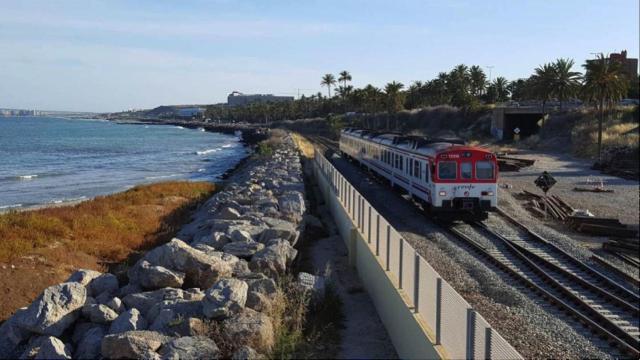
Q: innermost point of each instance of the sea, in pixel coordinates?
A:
(54, 160)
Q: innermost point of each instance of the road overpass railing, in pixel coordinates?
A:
(452, 326)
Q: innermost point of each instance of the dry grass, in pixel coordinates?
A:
(615, 133)
(108, 227)
(304, 145)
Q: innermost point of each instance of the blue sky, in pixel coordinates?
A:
(112, 55)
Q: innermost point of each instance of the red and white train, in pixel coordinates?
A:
(453, 180)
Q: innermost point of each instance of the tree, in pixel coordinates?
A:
(394, 99)
(518, 89)
(328, 80)
(344, 77)
(604, 84)
(566, 83)
(478, 80)
(500, 85)
(541, 84)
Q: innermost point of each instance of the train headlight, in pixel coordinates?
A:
(487, 193)
(442, 193)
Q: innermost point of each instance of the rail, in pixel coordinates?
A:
(449, 320)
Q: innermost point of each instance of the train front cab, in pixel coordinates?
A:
(465, 183)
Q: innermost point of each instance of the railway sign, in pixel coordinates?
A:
(516, 131)
(545, 181)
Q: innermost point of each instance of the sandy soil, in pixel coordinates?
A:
(571, 172)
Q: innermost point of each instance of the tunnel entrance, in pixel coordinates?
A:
(527, 123)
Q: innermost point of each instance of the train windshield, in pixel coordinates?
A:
(484, 170)
(447, 170)
(465, 170)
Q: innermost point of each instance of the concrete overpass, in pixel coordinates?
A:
(505, 119)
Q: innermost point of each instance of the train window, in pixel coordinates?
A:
(417, 165)
(484, 170)
(401, 162)
(465, 170)
(447, 170)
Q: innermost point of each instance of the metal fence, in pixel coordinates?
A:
(457, 327)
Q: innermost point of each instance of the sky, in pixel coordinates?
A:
(104, 56)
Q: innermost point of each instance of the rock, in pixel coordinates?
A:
(104, 283)
(193, 294)
(103, 298)
(263, 285)
(200, 270)
(190, 347)
(228, 213)
(155, 277)
(89, 346)
(273, 259)
(99, 314)
(129, 289)
(189, 327)
(216, 240)
(133, 345)
(246, 353)
(83, 276)
(81, 328)
(116, 305)
(144, 301)
(258, 301)
(309, 220)
(241, 267)
(129, 320)
(312, 283)
(292, 204)
(249, 327)
(243, 249)
(224, 298)
(54, 310)
(180, 307)
(47, 347)
(238, 235)
(287, 233)
(12, 335)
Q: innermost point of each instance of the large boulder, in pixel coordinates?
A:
(89, 345)
(133, 345)
(224, 298)
(240, 235)
(83, 276)
(249, 327)
(12, 335)
(54, 310)
(180, 307)
(292, 204)
(129, 320)
(190, 347)
(154, 276)
(246, 353)
(214, 239)
(105, 283)
(243, 249)
(116, 305)
(273, 259)
(47, 347)
(144, 301)
(227, 213)
(200, 270)
(98, 313)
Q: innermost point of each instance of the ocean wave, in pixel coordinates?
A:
(202, 170)
(26, 177)
(208, 151)
(179, 127)
(67, 200)
(160, 176)
(201, 129)
(4, 207)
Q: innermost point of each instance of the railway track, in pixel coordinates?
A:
(598, 302)
(605, 307)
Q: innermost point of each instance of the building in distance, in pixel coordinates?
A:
(237, 98)
(629, 65)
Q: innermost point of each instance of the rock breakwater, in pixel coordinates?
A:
(221, 270)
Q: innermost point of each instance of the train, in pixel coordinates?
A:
(452, 180)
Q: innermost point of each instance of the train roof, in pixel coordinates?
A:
(421, 145)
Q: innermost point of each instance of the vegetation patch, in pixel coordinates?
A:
(42, 247)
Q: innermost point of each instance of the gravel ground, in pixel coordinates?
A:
(534, 328)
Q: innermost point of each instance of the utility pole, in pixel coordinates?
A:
(490, 67)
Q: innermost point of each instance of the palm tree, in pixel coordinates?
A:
(328, 80)
(604, 84)
(478, 80)
(344, 77)
(566, 82)
(500, 85)
(541, 84)
(394, 99)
